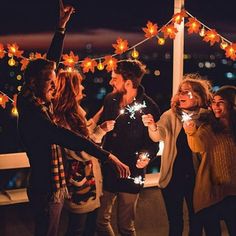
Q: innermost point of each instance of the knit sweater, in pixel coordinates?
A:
(168, 129)
(85, 186)
(216, 176)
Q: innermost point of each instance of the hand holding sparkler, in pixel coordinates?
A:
(108, 125)
(149, 122)
(122, 111)
(186, 117)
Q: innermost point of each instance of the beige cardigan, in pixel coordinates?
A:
(168, 129)
(216, 176)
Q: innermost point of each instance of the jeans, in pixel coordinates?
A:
(174, 195)
(126, 211)
(82, 224)
(46, 214)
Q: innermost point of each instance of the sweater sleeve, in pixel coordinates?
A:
(197, 137)
(160, 132)
(56, 47)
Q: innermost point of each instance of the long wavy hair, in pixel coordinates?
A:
(228, 93)
(66, 104)
(201, 91)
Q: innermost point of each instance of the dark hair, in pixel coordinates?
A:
(131, 70)
(200, 87)
(36, 73)
(228, 93)
(66, 106)
(36, 70)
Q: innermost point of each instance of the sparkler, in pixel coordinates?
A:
(137, 180)
(134, 108)
(186, 116)
(122, 111)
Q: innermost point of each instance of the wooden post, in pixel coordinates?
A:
(178, 51)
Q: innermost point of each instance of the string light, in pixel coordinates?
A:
(100, 65)
(202, 32)
(11, 62)
(121, 45)
(135, 54)
(161, 41)
(223, 45)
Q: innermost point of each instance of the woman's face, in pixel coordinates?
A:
(187, 100)
(80, 95)
(220, 107)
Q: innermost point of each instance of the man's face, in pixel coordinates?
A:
(48, 86)
(118, 83)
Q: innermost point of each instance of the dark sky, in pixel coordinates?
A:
(26, 16)
(21, 17)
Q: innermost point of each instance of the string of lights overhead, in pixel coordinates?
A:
(121, 46)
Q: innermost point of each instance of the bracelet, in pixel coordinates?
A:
(61, 30)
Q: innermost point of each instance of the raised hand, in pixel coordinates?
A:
(122, 169)
(149, 122)
(65, 13)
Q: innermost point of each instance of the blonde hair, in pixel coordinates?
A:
(201, 90)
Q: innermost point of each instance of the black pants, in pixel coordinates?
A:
(174, 194)
(82, 224)
(225, 210)
(46, 214)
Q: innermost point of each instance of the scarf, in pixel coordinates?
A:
(59, 188)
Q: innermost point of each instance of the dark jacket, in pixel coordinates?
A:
(38, 133)
(128, 137)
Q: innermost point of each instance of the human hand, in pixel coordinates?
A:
(108, 125)
(65, 13)
(122, 169)
(143, 160)
(149, 122)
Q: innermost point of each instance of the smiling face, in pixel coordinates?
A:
(220, 107)
(118, 83)
(48, 86)
(187, 99)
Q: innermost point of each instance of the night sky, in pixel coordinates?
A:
(21, 18)
(28, 16)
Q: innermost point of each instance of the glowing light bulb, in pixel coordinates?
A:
(14, 111)
(100, 66)
(135, 54)
(11, 62)
(223, 45)
(202, 32)
(161, 41)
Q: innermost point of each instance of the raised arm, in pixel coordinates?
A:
(56, 48)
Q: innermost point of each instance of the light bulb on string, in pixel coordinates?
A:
(223, 45)
(100, 65)
(202, 32)
(135, 54)
(161, 41)
(14, 111)
(11, 62)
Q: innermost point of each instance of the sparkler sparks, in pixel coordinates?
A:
(137, 180)
(134, 108)
(122, 111)
(186, 116)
